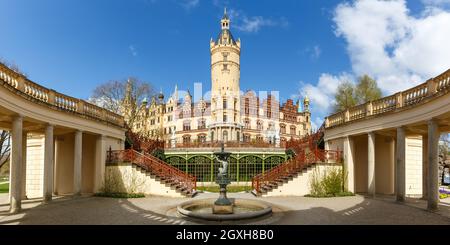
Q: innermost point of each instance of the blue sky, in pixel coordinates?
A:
(295, 47)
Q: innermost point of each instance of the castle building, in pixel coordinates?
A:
(229, 115)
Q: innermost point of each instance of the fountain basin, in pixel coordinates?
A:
(242, 209)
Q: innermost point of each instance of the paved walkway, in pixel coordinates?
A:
(158, 210)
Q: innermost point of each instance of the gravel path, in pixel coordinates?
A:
(158, 210)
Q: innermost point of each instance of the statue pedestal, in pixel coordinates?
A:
(223, 205)
(173, 143)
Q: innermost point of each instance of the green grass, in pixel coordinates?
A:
(229, 188)
(4, 188)
(120, 195)
(339, 194)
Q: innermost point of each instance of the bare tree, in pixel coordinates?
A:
(13, 66)
(123, 96)
(5, 147)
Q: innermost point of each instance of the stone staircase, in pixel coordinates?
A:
(172, 179)
(308, 155)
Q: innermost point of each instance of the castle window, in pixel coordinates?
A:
(225, 57)
(186, 139)
(225, 67)
(186, 125)
(247, 123)
(225, 117)
(201, 124)
(259, 125)
(225, 136)
(224, 103)
(293, 129)
(246, 138)
(201, 138)
(283, 128)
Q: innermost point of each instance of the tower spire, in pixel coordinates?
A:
(225, 20)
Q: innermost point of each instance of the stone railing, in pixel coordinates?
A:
(411, 97)
(55, 100)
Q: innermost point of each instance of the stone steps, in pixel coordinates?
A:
(168, 182)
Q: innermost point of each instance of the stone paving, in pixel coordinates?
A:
(160, 210)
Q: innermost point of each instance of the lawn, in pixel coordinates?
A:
(4, 188)
(229, 188)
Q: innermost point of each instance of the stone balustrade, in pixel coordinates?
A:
(54, 100)
(432, 88)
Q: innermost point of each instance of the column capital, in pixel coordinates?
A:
(18, 117)
(432, 120)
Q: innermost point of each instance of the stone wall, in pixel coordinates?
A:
(127, 178)
(301, 184)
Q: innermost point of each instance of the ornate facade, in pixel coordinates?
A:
(229, 115)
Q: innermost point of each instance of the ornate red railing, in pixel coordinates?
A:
(307, 154)
(300, 161)
(155, 166)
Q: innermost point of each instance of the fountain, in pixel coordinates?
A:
(223, 209)
(222, 205)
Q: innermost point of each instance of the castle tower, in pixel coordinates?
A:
(225, 92)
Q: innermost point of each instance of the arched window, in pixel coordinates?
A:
(225, 136)
(247, 123)
(238, 136)
(283, 128)
(260, 125)
(293, 129)
(259, 138)
(201, 138)
(201, 123)
(212, 135)
(186, 125)
(186, 139)
(246, 138)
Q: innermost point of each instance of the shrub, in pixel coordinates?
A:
(443, 195)
(332, 182)
(329, 184)
(290, 154)
(159, 153)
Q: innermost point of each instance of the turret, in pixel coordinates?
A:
(306, 104)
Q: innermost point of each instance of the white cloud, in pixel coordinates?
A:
(322, 94)
(189, 4)
(385, 41)
(253, 24)
(133, 50)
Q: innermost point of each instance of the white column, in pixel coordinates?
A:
(100, 161)
(78, 146)
(433, 165)
(425, 166)
(24, 165)
(48, 163)
(349, 165)
(400, 165)
(16, 165)
(371, 164)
